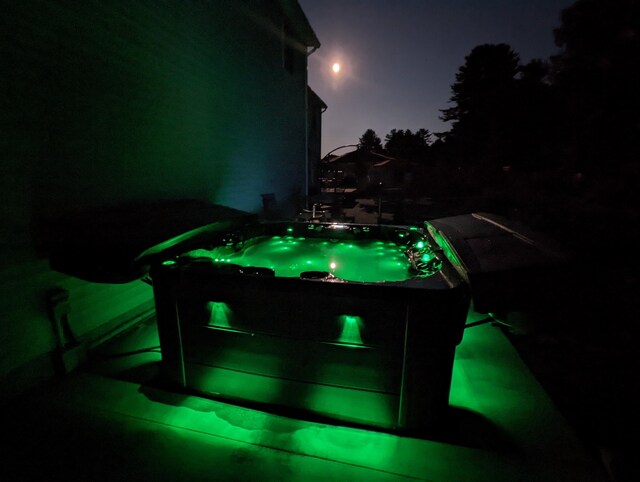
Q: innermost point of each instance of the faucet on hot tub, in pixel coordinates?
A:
(315, 212)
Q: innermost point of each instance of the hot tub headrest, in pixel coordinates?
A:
(320, 275)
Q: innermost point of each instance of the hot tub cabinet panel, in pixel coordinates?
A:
(373, 353)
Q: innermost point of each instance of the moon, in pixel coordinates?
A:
(336, 67)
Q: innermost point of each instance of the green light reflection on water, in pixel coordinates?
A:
(357, 260)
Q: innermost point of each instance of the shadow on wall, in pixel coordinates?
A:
(107, 245)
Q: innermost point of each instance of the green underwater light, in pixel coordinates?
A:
(426, 257)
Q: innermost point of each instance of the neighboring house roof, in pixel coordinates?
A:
(299, 23)
(362, 156)
(396, 161)
(383, 163)
(315, 99)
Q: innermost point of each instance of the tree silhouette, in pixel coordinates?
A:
(484, 80)
(370, 141)
(597, 74)
(534, 117)
(482, 114)
(408, 145)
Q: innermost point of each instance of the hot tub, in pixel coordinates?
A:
(353, 323)
(347, 322)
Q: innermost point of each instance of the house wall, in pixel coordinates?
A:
(104, 103)
(314, 122)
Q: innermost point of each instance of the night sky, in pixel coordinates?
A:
(399, 57)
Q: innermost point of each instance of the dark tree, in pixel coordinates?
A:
(423, 136)
(408, 145)
(484, 80)
(370, 141)
(534, 126)
(482, 114)
(597, 74)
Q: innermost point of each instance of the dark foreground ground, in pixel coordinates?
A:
(585, 350)
(586, 359)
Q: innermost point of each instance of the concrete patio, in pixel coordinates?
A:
(112, 420)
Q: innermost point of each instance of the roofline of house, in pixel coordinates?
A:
(323, 105)
(300, 23)
(346, 157)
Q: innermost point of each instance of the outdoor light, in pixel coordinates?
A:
(220, 314)
(350, 334)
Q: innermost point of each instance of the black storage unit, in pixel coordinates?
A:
(508, 266)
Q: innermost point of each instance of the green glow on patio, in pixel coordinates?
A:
(354, 446)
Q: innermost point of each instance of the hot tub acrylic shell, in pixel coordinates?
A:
(378, 354)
